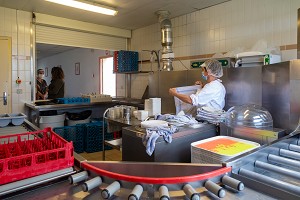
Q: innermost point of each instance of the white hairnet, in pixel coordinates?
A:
(213, 67)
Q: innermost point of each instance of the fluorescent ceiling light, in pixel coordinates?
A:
(85, 6)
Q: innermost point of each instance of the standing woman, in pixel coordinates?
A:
(57, 85)
(41, 86)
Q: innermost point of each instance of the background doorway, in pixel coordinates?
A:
(108, 78)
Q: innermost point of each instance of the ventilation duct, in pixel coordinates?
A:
(167, 54)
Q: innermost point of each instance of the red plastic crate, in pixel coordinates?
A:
(30, 154)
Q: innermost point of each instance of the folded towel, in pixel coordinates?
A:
(152, 134)
(211, 115)
(180, 119)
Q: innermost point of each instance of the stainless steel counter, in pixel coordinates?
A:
(32, 108)
(179, 150)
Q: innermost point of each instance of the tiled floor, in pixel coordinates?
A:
(110, 155)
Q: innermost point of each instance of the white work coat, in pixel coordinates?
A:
(211, 95)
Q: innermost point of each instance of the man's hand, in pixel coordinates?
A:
(199, 83)
(172, 91)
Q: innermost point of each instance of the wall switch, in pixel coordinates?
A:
(19, 91)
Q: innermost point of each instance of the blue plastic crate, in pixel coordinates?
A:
(72, 133)
(60, 131)
(93, 142)
(128, 61)
(93, 136)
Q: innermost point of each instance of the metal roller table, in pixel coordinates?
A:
(269, 172)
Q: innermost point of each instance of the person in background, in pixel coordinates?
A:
(212, 93)
(41, 86)
(57, 85)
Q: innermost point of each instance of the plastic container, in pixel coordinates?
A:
(218, 149)
(4, 120)
(52, 121)
(76, 134)
(17, 118)
(30, 154)
(249, 115)
(73, 100)
(74, 122)
(142, 115)
(126, 61)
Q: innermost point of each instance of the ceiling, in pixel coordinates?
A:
(46, 50)
(132, 14)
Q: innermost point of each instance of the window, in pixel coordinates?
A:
(108, 78)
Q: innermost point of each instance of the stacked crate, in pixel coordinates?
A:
(126, 61)
(86, 137)
(73, 133)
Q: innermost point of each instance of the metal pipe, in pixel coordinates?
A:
(293, 147)
(110, 190)
(167, 54)
(164, 193)
(277, 169)
(289, 154)
(157, 57)
(75, 178)
(91, 184)
(103, 133)
(270, 181)
(191, 192)
(285, 161)
(136, 192)
(215, 189)
(233, 183)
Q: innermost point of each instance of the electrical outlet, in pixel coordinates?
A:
(19, 91)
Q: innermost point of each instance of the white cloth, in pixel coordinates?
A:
(177, 120)
(182, 106)
(211, 115)
(211, 95)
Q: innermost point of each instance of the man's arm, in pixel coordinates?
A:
(182, 97)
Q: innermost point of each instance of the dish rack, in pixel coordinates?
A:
(30, 154)
(97, 97)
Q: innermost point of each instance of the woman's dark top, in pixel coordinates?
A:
(41, 87)
(56, 89)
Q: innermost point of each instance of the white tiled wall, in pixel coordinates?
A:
(16, 24)
(222, 28)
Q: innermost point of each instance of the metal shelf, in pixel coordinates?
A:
(118, 124)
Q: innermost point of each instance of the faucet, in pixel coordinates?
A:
(157, 56)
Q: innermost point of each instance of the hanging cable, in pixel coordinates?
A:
(182, 63)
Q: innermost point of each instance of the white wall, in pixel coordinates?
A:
(16, 24)
(222, 28)
(87, 81)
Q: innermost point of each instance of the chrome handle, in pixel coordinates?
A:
(4, 98)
